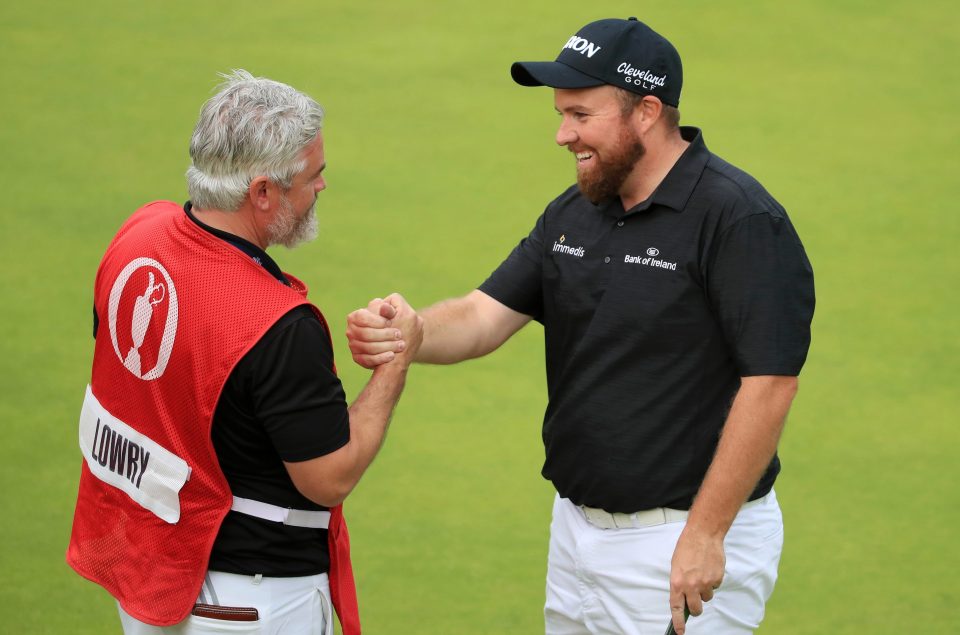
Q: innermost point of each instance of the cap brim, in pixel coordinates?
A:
(552, 74)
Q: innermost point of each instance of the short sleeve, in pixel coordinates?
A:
(296, 394)
(518, 282)
(760, 285)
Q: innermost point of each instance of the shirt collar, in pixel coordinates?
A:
(256, 254)
(675, 189)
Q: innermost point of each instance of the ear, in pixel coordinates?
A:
(646, 113)
(259, 193)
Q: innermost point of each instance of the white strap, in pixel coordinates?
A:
(285, 515)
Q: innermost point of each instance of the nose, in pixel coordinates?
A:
(565, 134)
(320, 185)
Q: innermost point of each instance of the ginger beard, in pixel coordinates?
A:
(289, 230)
(604, 180)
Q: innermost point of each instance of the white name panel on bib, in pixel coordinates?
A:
(120, 456)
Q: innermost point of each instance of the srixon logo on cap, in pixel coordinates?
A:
(582, 46)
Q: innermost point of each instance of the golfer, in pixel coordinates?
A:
(217, 442)
(676, 301)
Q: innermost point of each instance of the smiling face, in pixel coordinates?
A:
(596, 130)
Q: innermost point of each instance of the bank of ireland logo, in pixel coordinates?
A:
(651, 260)
(143, 317)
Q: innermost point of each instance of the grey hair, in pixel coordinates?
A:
(252, 127)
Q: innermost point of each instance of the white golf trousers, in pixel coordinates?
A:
(291, 606)
(617, 581)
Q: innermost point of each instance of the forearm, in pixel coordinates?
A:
(464, 328)
(747, 445)
(449, 333)
(329, 479)
(370, 415)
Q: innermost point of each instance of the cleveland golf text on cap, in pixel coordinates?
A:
(623, 53)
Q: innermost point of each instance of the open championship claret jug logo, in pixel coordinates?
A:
(143, 317)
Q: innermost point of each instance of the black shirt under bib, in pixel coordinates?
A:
(282, 402)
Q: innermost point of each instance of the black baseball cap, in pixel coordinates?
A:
(624, 53)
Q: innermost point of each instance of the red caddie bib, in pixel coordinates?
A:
(178, 309)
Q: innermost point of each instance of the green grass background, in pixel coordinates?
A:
(845, 109)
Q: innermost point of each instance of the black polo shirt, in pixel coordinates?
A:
(651, 316)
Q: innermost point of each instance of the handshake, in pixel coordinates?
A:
(386, 331)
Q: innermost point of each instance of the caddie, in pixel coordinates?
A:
(217, 442)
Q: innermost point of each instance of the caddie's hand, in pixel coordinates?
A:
(695, 573)
(411, 327)
(372, 337)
